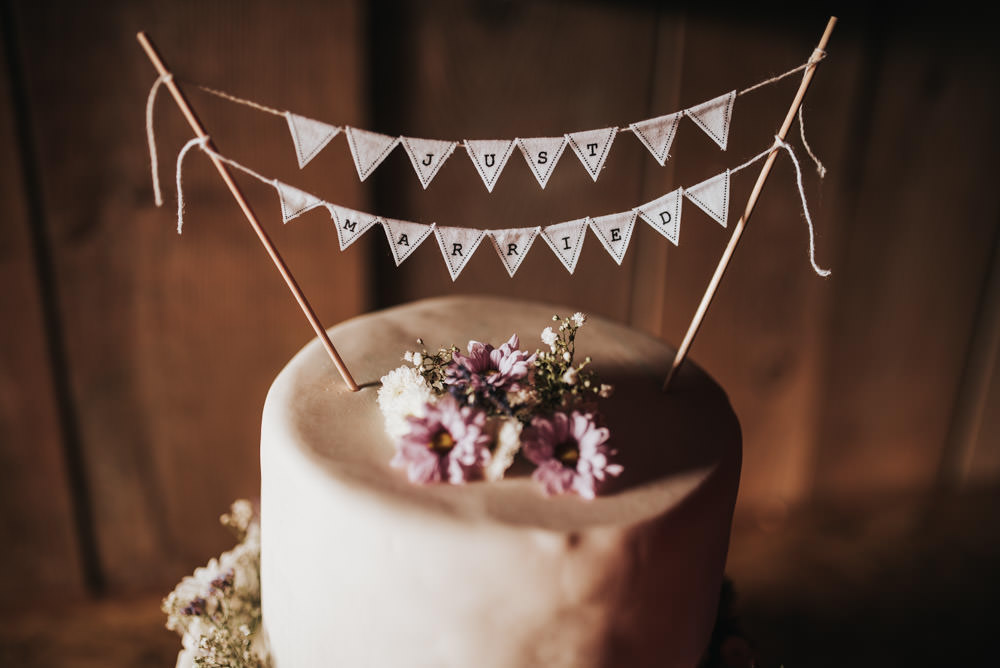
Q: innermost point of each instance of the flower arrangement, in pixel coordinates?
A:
(457, 417)
(217, 610)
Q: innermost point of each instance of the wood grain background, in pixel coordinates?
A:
(134, 363)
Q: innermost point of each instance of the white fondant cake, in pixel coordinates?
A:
(362, 568)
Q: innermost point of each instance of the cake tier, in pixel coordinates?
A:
(362, 568)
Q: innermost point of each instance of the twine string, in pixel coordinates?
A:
(778, 143)
(820, 167)
(151, 137)
(201, 142)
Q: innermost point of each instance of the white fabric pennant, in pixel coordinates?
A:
(512, 245)
(712, 196)
(713, 117)
(614, 232)
(369, 149)
(489, 156)
(592, 147)
(404, 236)
(542, 154)
(350, 224)
(427, 156)
(294, 202)
(457, 246)
(566, 240)
(664, 214)
(657, 134)
(309, 136)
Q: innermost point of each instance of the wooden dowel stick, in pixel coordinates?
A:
(765, 171)
(265, 240)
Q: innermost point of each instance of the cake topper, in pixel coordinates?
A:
(614, 230)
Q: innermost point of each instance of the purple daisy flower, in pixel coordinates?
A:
(570, 451)
(446, 444)
(488, 368)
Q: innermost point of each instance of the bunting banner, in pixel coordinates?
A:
(404, 236)
(294, 202)
(350, 224)
(712, 196)
(427, 156)
(542, 154)
(512, 245)
(592, 148)
(657, 134)
(457, 246)
(369, 149)
(566, 241)
(614, 231)
(309, 137)
(664, 214)
(489, 156)
(713, 117)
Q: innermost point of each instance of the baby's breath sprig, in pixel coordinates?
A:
(559, 383)
(432, 365)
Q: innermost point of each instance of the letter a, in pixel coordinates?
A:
(404, 236)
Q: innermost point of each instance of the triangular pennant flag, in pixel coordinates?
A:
(566, 240)
(592, 147)
(427, 156)
(369, 149)
(542, 154)
(294, 202)
(615, 231)
(713, 117)
(657, 134)
(664, 214)
(512, 245)
(457, 246)
(309, 136)
(489, 156)
(350, 224)
(712, 196)
(404, 236)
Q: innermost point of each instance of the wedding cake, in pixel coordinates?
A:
(368, 560)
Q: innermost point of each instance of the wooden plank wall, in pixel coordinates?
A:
(132, 381)
(171, 341)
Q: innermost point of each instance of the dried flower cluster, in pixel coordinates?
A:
(458, 417)
(217, 611)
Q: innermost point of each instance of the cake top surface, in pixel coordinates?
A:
(669, 443)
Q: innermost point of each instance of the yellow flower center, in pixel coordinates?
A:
(568, 453)
(442, 441)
